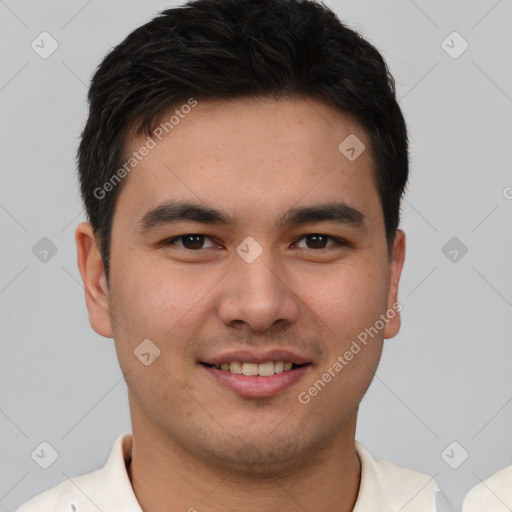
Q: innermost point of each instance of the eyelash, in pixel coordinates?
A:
(338, 241)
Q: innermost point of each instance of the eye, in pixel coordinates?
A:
(195, 242)
(319, 240)
(190, 241)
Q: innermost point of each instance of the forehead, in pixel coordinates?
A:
(253, 156)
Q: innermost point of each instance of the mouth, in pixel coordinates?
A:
(256, 379)
(266, 369)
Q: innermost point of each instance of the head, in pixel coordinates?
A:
(225, 120)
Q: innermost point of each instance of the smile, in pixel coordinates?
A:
(256, 380)
(253, 369)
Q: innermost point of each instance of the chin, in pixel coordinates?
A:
(260, 459)
(258, 454)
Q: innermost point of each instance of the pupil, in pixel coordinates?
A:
(197, 241)
(317, 240)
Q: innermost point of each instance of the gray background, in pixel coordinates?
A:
(446, 377)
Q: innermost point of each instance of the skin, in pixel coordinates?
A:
(196, 443)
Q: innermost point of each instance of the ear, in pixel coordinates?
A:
(92, 271)
(395, 270)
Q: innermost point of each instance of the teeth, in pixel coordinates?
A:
(266, 369)
(252, 369)
(235, 368)
(279, 367)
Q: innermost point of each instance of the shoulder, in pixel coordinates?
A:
(492, 495)
(107, 488)
(63, 497)
(388, 486)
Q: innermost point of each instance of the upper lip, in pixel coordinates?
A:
(257, 357)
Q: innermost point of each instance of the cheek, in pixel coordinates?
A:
(166, 305)
(152, 309)
(152, 296)
(349, 298)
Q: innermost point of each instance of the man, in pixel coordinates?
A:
(242, 168)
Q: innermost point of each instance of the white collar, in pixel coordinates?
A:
(492, 495)
(387, 487)
(384, 487)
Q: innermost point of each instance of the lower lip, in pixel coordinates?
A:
(257, 386)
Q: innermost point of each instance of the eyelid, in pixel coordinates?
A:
(338, 241)
(172, 241)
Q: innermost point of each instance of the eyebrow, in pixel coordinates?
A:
(179, 211)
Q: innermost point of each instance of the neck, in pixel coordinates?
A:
(165, 478)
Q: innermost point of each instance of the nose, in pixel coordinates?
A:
(259, 294)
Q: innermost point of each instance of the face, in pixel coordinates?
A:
(272, 284)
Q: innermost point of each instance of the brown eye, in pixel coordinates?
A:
(190, 241)
(319, 241)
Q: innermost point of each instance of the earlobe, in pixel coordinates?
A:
(92, 271)
(395, 268)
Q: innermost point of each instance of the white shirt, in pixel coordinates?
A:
(384, 487)
(491, 495)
